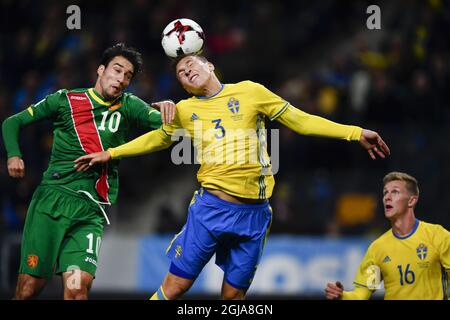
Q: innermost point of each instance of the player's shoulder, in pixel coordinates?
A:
(246, 87)
(62, 92)
(128, 96)
(186, 102)
(130, 100)
(432, 228)
(56, 96)
(429, 225)
(248, 84)
(381, 240)
(74, 90)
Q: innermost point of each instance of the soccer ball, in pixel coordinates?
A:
(181, 37)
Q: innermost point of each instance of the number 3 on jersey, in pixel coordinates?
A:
(218, 126)
(113, 123)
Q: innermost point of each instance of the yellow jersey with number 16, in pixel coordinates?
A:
(413, 267)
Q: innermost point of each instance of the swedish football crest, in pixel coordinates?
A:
(233, 105)
(422, 251)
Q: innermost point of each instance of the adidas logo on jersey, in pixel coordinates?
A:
(386, 259)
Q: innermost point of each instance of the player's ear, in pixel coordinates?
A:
(413, 201)
(100, 70)
(211, 66)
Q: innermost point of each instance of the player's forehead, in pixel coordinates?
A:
(186, 60)
(121, 62)
(395, 184)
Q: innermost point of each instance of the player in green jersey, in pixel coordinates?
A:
(64, 223)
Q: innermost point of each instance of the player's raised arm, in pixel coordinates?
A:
(147, 143)
(307, 124)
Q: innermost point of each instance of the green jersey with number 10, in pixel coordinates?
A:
(83, 123)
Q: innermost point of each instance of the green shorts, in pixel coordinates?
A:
(63, 231)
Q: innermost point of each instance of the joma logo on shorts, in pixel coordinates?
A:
(90, 260)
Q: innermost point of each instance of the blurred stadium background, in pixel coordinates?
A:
(319, 55)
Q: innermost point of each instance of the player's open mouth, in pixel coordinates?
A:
(192, 78)
(388, 207)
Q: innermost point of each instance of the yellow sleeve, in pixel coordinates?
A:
(366, 279)
(150, 142)
(443, 244)
(266, 102)
(368, 274)
(310, 125)
(444, 247)
(359, 293)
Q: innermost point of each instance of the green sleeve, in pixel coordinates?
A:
(144, 116)
(44, 109)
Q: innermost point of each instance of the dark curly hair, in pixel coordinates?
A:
(129, 53)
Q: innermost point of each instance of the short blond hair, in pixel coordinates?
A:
(411, 182)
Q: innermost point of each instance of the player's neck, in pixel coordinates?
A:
(404, 225)
(99, 92)
(212, 88)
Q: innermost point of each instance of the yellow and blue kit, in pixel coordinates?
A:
(413, 267)
(228, 132)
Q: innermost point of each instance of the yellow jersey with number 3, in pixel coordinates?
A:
(413, 267)
(228, 132)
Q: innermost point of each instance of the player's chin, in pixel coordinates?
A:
(389, 214)
(113, 93)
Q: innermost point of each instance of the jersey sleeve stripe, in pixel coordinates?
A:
(360, 285)
(279, 112)
(165, 132)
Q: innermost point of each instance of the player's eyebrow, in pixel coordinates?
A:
(116, 63)
(394, 188)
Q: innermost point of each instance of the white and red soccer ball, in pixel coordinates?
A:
(181, 37)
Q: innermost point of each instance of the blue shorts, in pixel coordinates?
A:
(235, 233)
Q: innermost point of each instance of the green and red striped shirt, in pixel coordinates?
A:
(83, 123)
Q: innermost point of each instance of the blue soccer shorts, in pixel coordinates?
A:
(236, 233)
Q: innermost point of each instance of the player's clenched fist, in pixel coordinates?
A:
(16, 167)
(334, 291)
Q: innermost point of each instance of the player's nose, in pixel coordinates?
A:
(120, 78)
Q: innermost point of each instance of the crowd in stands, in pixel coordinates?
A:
(394, 80)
